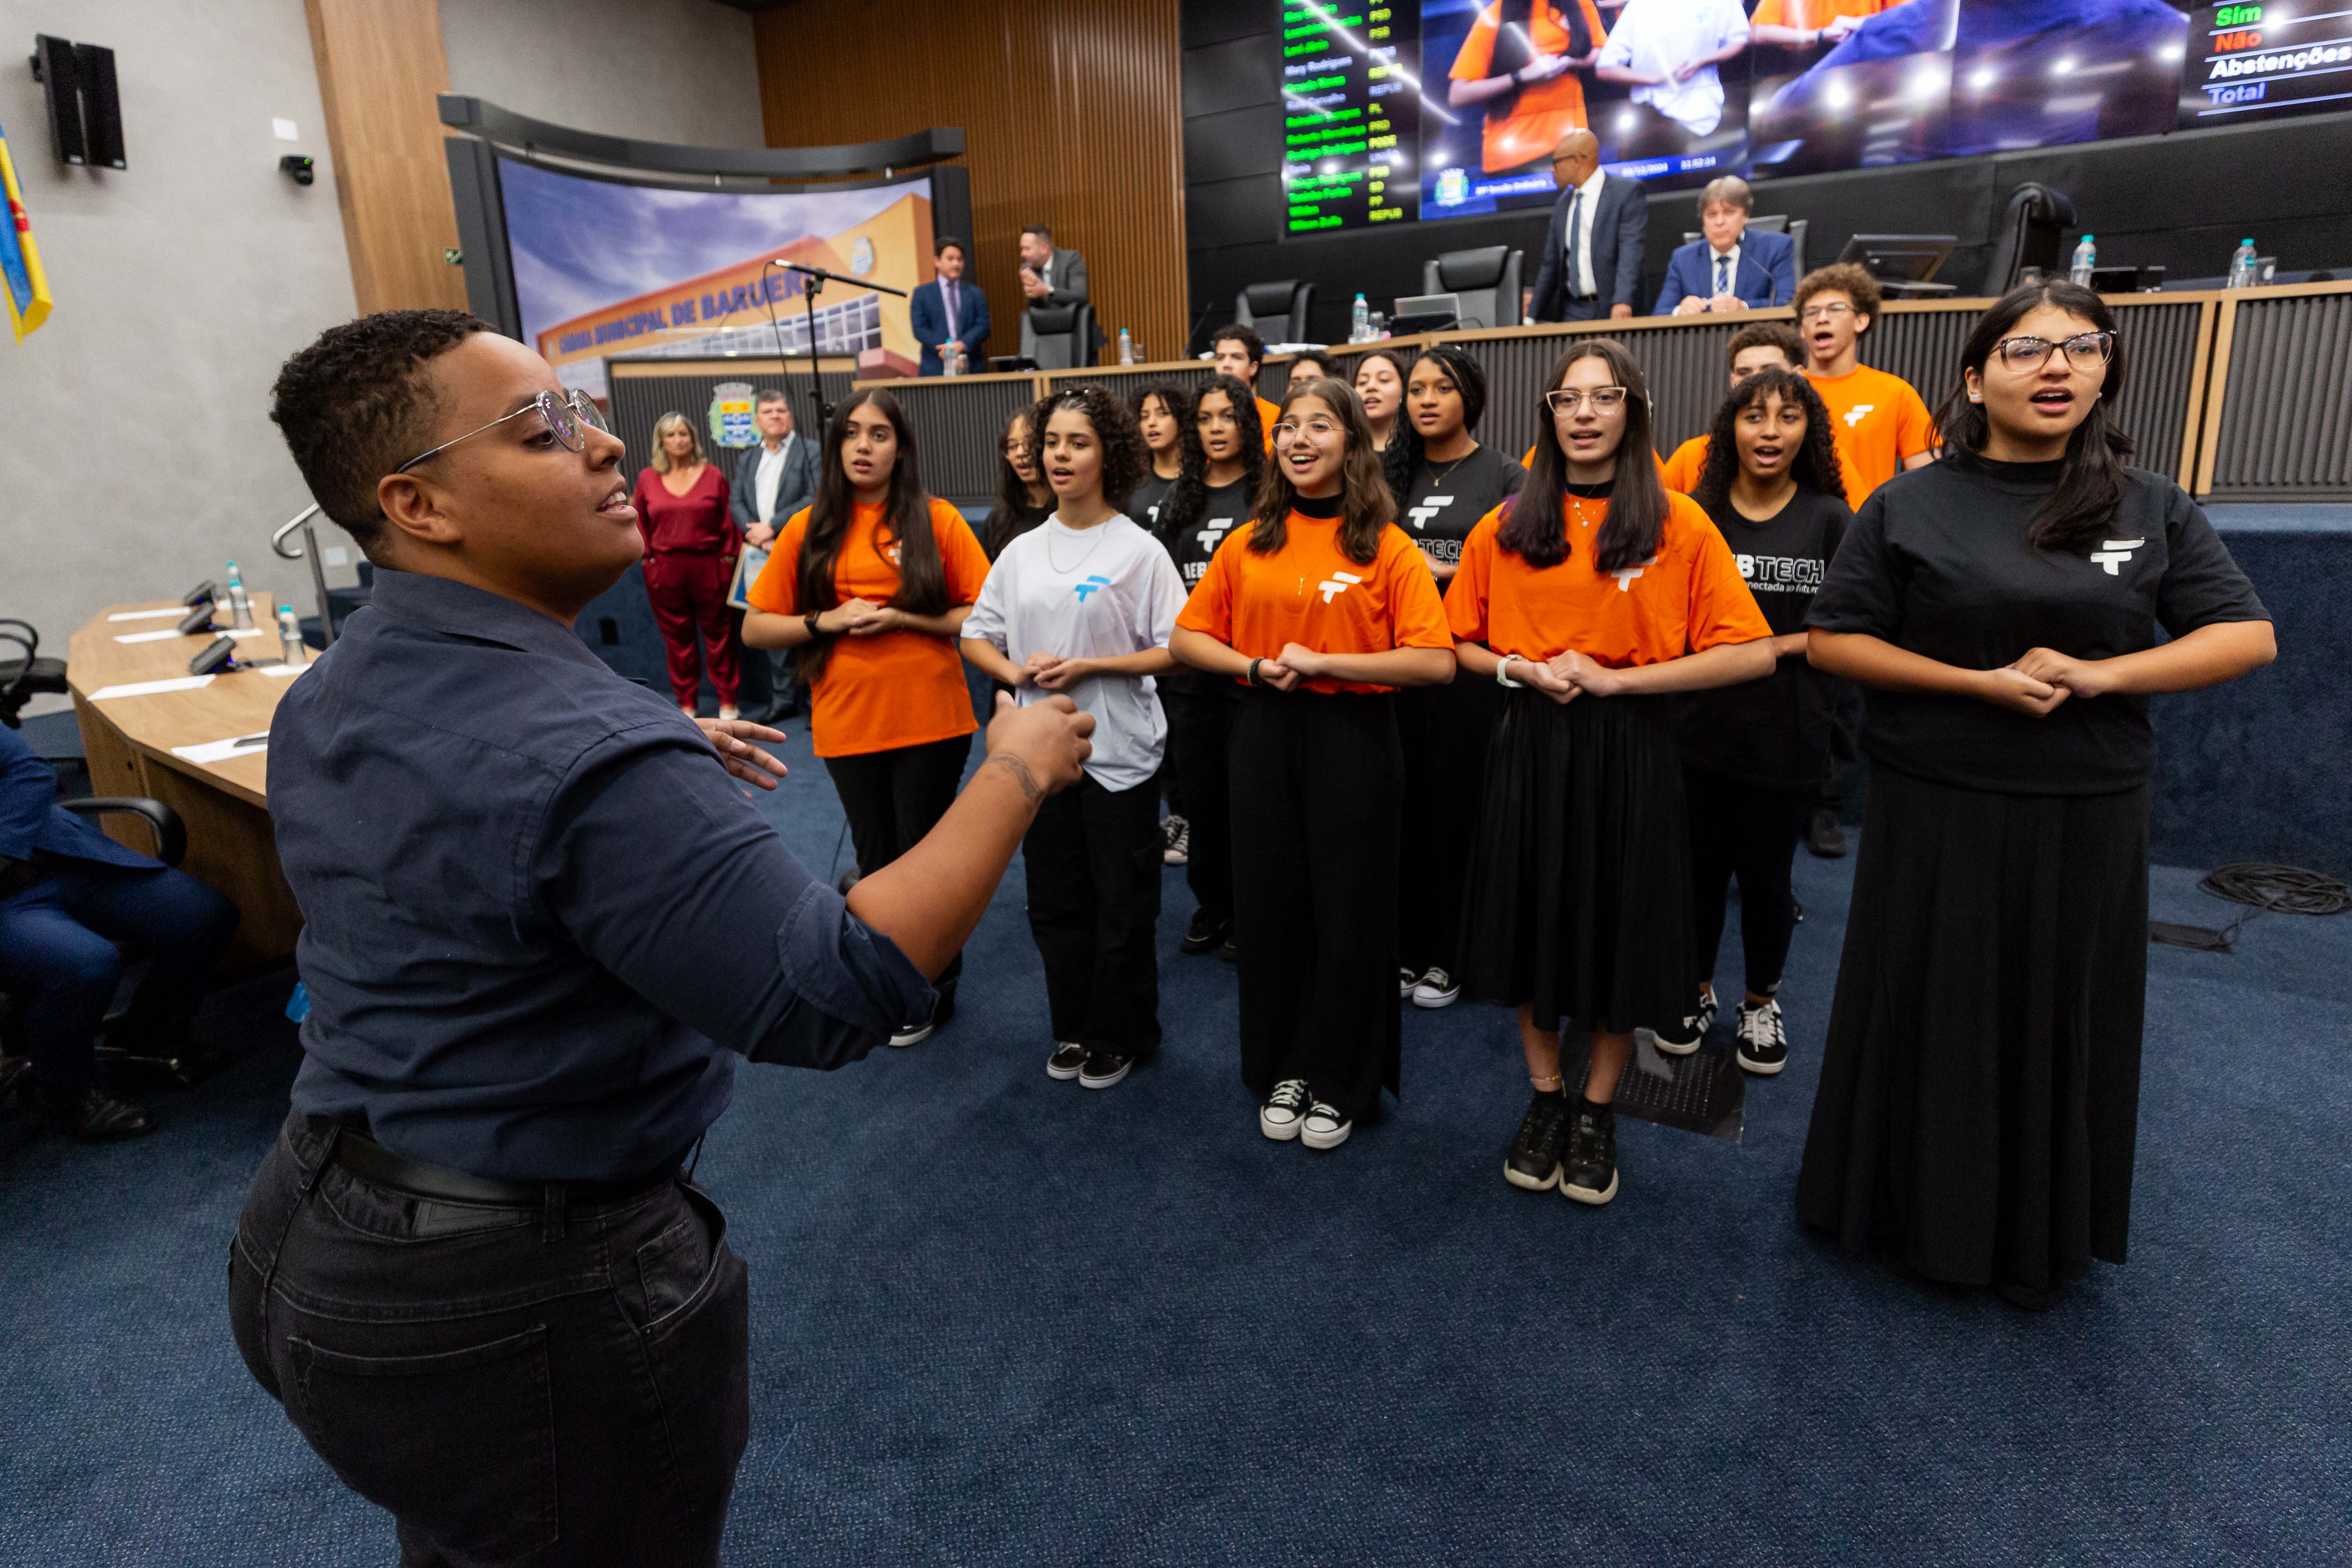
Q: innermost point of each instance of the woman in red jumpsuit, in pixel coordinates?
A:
(690, 546)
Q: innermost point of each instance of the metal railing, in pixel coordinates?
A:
(308, 550)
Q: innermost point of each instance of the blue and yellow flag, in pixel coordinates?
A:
(20, 259)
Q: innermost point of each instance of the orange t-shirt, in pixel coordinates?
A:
(1680, 472)
(1546, 111)
(1687, 599)
(1815, 12)
(1267, 414)
(1527, 460)
(1877, 420)
(900, 688)
(1310, 593)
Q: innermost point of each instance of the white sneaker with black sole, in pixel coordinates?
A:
(1325, 1127)
(1069, 1057)
(1435, 990)
(1284, 1109)
(1763, 1040)
(1686, 1039)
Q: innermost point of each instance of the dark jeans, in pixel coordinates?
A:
(556, 1384)
(893, 798)
(1200, 727)
(1093, 857)
(1750, 832)
(59, 955)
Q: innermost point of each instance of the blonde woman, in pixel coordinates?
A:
(690, 546)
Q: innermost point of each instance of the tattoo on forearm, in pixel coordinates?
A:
(1020, 775)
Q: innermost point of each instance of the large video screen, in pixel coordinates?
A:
(604, 268)
(1397, 111)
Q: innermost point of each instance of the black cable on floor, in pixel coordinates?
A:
(2263, 889)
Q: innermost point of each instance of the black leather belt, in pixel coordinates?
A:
(371, 1161)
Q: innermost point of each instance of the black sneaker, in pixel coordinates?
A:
(1406, 981)
(1824, 836)
(1103, 1069)
(1325, 1126)
(1589, 1174)
(1229, 953)
(93, 1116)
(1682, 1039)
(1533, 1159)
(1206, 933)
(918, 1030)
(1763, 1043)
(1437, 989)
(1175, 839)
(1069, 1057)
(1284, 1109)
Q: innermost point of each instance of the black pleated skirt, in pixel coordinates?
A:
(1578, 895)
(1979, 1092)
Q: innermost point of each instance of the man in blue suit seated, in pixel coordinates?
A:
(68, 894)
(948, 313)
(1729, 269)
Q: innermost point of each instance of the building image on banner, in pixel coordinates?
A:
(604, 270)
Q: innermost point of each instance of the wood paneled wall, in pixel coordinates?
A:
(380, 68)
(1072, 114)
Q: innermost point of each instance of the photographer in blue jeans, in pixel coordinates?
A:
(541, 925)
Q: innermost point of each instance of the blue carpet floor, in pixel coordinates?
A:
(998, 1319)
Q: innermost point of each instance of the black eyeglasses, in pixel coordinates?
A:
(2084, 350)
(569, 419)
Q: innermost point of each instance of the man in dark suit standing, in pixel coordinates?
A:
(947, 314)
(1728, 268)
(1592, 249)
(1049, 276)
(771, 482)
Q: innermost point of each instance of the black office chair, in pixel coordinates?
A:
(26, 677)
(2032, 234)
(1485, 280)
(1279, 311)
(171, 844)
(1773, 223)
(1065, 335)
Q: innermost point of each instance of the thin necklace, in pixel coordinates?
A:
(1094, 545)
(1437, 478)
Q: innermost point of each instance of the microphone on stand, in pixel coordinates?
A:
(819, 272)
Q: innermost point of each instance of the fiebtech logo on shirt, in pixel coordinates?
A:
(1857, 414)
(1338, 583)
(1083, 589)
(1781, 574)
(1429, 508)
(2112, 554)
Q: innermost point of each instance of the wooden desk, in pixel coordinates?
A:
(129, 740)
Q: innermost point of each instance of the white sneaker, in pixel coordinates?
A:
(1406, 981)
(1284, 1109)
(1324, 1128)
(1435, 990)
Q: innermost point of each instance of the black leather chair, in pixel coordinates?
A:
(1773, 223)
(1064, 335)
(27, 675)
(1485, 280)
(2032, 234)
(1277, 311)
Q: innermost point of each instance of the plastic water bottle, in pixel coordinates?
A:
(951, 363)
(289, 637)
(1125, 346)
(2086, 257)
(240, 603)
(2243, 265)
(1360, 321)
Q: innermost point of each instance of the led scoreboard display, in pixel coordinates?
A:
(2256, 61)
(1350, 113)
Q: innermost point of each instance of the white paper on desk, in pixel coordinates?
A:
(148, 636)
(282, 671)
(200, 632)
(221, 750)
(149, 688)
(175, 610)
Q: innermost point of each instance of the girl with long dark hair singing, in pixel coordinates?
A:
(1163, 415)
(1979, 1091)
(869, 584)
(1590, 599)
(1320, 607)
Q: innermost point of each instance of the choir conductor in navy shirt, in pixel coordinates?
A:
(541, 925)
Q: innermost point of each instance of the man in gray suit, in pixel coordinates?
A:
(1048, 278)
(772, 481)
(1591, 263)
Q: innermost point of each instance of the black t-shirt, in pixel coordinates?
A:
(1002, 528)
(1223, 508)
(1144, 505)
(1774, 732)
(1444, 500)
(1938, 562)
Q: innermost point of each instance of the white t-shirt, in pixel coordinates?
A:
(1653, 37)
(1100, 592)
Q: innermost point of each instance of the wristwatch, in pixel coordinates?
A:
(809, 620)
(1503, 680)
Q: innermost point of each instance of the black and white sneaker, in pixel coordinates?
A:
(1069, 1057)
(1325, 1127)
(1175, 839)
(1206, 933)
(1824, 835)
(1230, 953)
(1763, 1042)
(1406, 981)
(1284, 1109)
(1685, 1038)
(1103, 1069)
(1533, 1159)
(1589, 1174)
(923, 1028)
(1435, 990)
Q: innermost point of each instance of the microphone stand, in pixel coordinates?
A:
(812, 280)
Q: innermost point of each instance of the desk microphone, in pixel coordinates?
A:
(203, 593)
(199, 619)
(218, 659)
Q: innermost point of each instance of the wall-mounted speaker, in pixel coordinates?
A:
(101, 106)
(85, 109)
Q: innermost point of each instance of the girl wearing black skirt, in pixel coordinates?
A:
(1322, 608)
(1754, 756)
(1444, 730)
(1589, 598)
(1979, 1091)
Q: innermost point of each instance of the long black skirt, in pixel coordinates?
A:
(1980, 1094)
(1579, 896)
